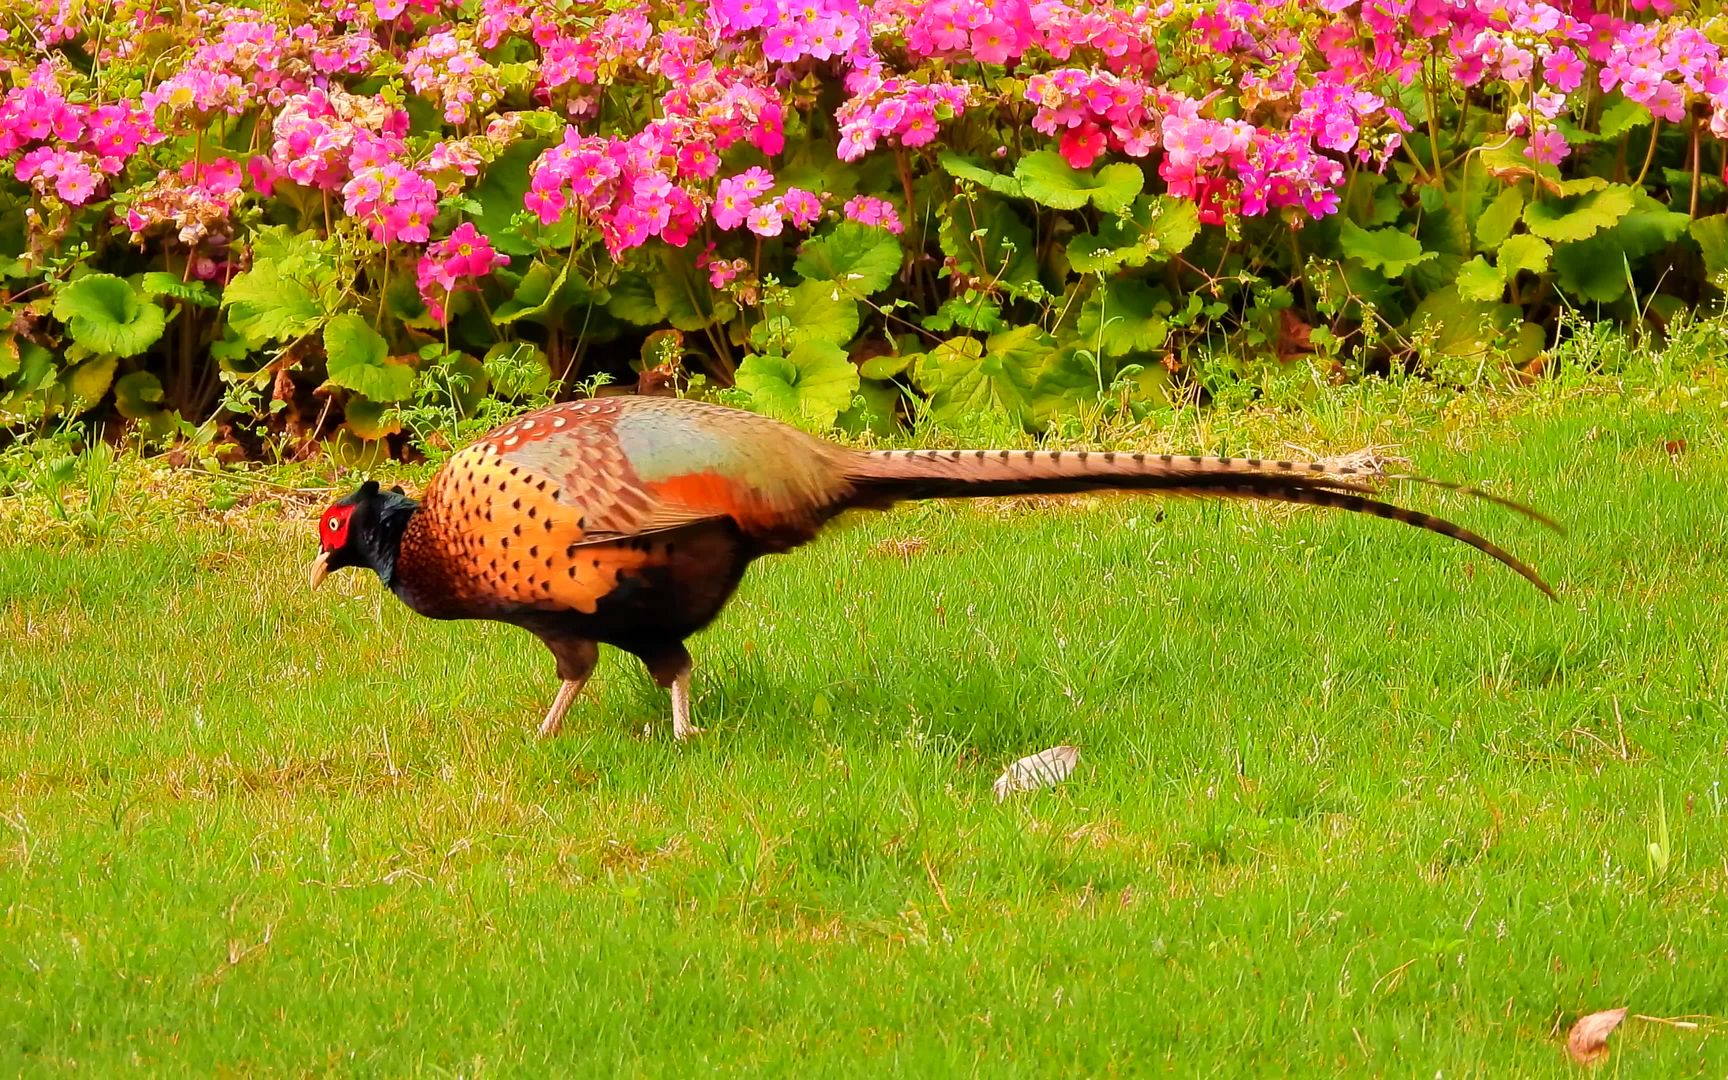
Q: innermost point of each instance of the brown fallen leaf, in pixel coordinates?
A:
(1588, 1040)
(1038, 770)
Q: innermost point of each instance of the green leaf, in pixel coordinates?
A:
(987, 239)
(264, 305)
(534, 296)
(1387, 250)
(1125, 316)
(10, 354)
(106, 315)
(1170, 224)
(873, 409)
(883, 368)
(689, 305)
(517, 369)
(1498, 220)
(1506, 159)
(810, 312)
(1457, 326)
(632, 299)
(138, 396)
(158, 283)
(1592, 270)
(966, 168)
(1597, 268)
(1155, 229)
(1524, 252)
(499, 194)
(810, 385)
(88, 383)
(1580, 216)
(974, 311)
(1020, 372)
(863, 258)
(1089, 253)
(371, 419)
(1711, 233)
(1478, 280)
(1622, 116)
(1047, 179)
(358, 359)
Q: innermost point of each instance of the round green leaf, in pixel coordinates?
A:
(161, 283)
(633, 301)
(1387, 250)
(371, 419)
(88, 383)
(1019, 372)
(1125, 316)
(1497, 221)
(812, 384)
(863, 258)
(814, 311)
(106, 315)
(1524, 252)
(966, 168)
(1479, 280)
(1046, 178)
(358, 359)
(1578, 217)
(138, 395)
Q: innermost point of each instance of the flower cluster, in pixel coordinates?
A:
(674, 119)
(903, 111)
(451, 74)
(67, 148)
(318, 135)
(807, 29)
(454, 263)
(1091, 112)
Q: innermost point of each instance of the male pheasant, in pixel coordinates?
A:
(629, 521)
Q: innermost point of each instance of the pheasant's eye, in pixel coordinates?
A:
(334, 524)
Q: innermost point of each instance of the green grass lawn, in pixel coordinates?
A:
(1352, 798)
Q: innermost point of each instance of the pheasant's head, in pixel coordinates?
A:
(363, 529)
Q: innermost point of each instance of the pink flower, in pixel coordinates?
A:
(766, 220)
(869, 210)
(802, 208)
(1547, 147)
(1081, 146)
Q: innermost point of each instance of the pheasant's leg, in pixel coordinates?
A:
(682, 728)
(567, 692)
(670, 667)
(576, 659)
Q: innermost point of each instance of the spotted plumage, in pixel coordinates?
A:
(629, 521)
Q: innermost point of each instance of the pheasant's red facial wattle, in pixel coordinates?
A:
(332, 538)
(333, 528)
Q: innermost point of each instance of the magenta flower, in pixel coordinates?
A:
(1547, 147)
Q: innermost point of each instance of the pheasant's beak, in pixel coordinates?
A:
(320, 567)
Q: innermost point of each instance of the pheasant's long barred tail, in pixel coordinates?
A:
(892, 475)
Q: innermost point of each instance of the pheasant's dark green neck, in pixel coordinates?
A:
(376, 534)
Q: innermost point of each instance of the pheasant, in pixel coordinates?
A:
(628, 521)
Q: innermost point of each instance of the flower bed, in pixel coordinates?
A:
(286, 222)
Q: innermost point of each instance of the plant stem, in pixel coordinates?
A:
(1650, 154)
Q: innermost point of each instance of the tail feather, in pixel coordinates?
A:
(889, 476)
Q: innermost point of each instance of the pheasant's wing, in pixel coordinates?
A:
(628, 467)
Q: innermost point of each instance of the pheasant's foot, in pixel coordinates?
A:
(682, 728)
